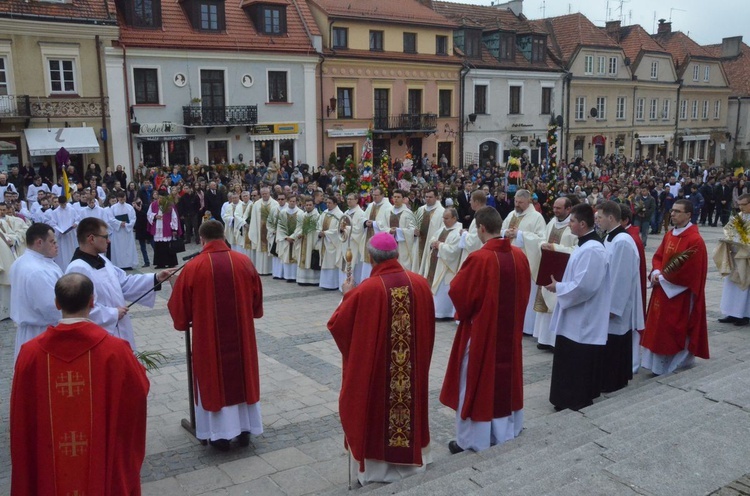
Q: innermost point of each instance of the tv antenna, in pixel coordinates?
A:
(672, 10)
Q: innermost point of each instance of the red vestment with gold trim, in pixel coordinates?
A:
(385, 330)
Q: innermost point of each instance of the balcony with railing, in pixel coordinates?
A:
(14, 106)
(26, 106)
(208, 117)
(406, 123)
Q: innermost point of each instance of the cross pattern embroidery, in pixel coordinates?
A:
(75, 493)
(70, 384)
(73, 444)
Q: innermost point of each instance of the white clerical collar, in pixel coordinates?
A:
(430, 208)
(332, 212)
(351, 211)
(627, 227)
(679, 230)
(75, 320)
(380, 203)
(398, 210)
(562, 223)
(292, 210)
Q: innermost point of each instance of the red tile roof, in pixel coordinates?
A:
(634, 39)
(737, 68)
(396, 56)
(99, 11)
(240, 34)
(680, 46)
(570, 31)
(393, 11)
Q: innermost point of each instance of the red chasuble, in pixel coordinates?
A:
(219, 291)
(78, 414)
(491, 315)
(385, 330)
(635, 233)
(670, 322)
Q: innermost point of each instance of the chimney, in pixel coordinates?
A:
(515, 6)
(730, 47)
(613, 30)
(664, 26)
(427, 3)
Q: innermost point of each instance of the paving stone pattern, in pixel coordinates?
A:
(301, 450)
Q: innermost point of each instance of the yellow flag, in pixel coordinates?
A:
(66, 185)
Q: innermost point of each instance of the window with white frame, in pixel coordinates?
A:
(62, 75)
(601, 67)
(665, 108)
(717, 109)
(683, 109)
(514, 100)
(620, 114)
(613, 66)
(3, 77)
(694, 113)
(580, 108)
(705, 109)
(601, 107)
(588, 66)
(696, 72)
(640, 105)
(707, 74)
(277, 90)
(146, 85)
(480, 98)
(655, 69)
(653, 109)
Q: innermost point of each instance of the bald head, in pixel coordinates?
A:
(74, 295)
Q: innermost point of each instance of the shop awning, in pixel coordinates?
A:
(164, 137)
(49, 141)
(274, 137)
(697, 137)
(652, 140)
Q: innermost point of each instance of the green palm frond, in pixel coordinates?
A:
(678, 260)
(152, 360)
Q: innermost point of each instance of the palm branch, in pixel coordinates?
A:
(309, 225)
(677, 260)
(151, 359)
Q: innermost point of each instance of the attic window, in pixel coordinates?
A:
(141, 13)
(507, 46)
(538, 49)
(206, 15)
(473, 44)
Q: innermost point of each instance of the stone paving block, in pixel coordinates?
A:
(300, 480)
(164, 487)
(287, 458)
(333, 470)
(325, 449)
(204, 480)
(263, 486)
(247, 469)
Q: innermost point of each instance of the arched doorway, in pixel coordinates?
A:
(487, 152)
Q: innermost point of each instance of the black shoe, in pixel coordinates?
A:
(147, 264)
(742, 322)
(728, 320)
(220, 444)
(541, 346)
(244, 439)
(454, 448)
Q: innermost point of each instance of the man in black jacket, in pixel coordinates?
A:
(707, 191)
(723, 198)
(465, 212)
(189, 206)
(214, 200)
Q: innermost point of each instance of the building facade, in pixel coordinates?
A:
(52, 91)
(388, 68)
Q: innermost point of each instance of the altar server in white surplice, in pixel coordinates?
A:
(377, 215)
(526, 225)
(442, 263)
(64, 219)
(429, 219)
(121, 225)
(352, 229)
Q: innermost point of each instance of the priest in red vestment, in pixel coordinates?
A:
(484, 379)
(78, 406)
(385, 330)
(676, 327)
(220, 293)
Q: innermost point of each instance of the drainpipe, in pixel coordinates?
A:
(632, 125)
(322, 118)
(101, 97)
(736, 127)
(566, 127)
(676, 121)
(131, 165)
(461, 111)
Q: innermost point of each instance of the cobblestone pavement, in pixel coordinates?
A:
(301, 450)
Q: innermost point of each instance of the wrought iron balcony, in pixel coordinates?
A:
(406, 123)
(68, 106)
(200, 116)
(14, 106)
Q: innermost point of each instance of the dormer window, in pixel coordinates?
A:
(538, 49)
(269, 17)
(473, 44)
(206, 15)
(141, 13)
(507, 46)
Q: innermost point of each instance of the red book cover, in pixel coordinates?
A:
(553, 263)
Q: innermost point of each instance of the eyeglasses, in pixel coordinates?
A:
(105, 236)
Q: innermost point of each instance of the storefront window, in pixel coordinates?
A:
(286, 150)
(10, 153)
(263, 151)
(151, 151)
(179, 152)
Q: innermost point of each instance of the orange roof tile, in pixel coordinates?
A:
(570, 31)
(394, 11)
(99, 11)
(240, 35)
(395, 56)
(737, 68)
(488, 18)
(680, 46)
(634, 39)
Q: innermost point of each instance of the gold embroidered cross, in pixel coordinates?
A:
(73, 444)
(73, 386)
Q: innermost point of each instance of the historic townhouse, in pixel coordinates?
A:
(52, 90)
(596, 123)
(511, 89)
(649, 107)
(702, 98)
(220, 81)
(735, 57)
(388, 66)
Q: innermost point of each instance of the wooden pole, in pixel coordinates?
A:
(189, 424)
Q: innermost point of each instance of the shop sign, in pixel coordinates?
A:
(156, 128)
(346, 133)
(261, 129)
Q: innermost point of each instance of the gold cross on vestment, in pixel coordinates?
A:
(75, 493)
(73, 444)
(73, 386)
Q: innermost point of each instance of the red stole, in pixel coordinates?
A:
(71, 418)
(400, 378)
(228, 331)
(507, 319)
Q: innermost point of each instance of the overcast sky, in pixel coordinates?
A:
(706, 22)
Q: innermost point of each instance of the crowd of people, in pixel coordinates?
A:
(433, 242)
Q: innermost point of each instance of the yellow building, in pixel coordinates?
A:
(388, 66)
(52, 87)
